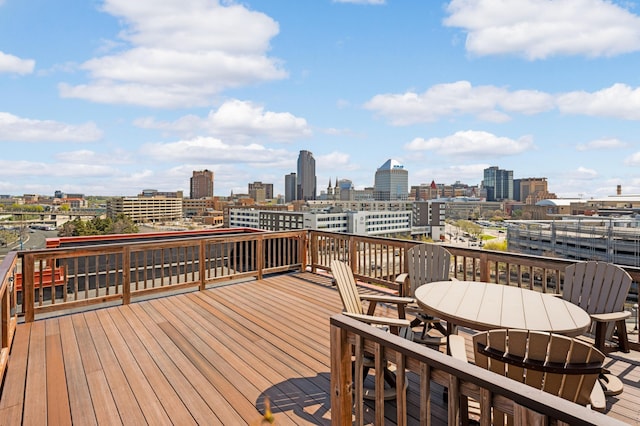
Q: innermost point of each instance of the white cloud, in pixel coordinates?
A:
(208, 150)
(489, 103)
(633, 160)
(85, 156)
(537, 29)
(14, 128)
(474, 144)
(237, 120)
(583, 173)
(608, 143)
(53, 170)
(494, 104)
(13, 64)
(336, 162)
(180, 54)
(619, 100)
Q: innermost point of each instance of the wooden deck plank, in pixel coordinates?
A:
(82, 411)
(166, 396)
(152, 409)
(210, 363)
(11, 403)
(224, 413)
(126, 402)
(35, 394)
(253, 364)
(209, 358)
(104, 404)
(267, 330)
(58, 408)
(193, 401)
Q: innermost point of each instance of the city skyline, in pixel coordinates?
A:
(109, 97)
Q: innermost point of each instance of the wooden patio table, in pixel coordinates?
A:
(486, 306)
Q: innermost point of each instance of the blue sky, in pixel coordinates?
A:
(111, 97)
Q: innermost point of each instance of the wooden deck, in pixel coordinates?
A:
(202, 358)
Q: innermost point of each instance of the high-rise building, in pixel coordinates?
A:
(306, 184)
(260, 191)
(391, 182)
(290, 187)
(530, 190)
(498, 183)
(201, 184)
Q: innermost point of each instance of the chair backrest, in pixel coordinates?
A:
(597, 287)
(554, 363)
(347, 289)
(426, 263)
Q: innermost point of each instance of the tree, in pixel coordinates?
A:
(98, 226)
(123, 225)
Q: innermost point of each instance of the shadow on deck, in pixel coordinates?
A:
(206, 357)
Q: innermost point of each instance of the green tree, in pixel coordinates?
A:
(123, 225)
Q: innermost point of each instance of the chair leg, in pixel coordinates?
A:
(623, 339)
(601, 329)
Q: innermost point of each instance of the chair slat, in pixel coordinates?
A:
(557, 364)
(597, 287)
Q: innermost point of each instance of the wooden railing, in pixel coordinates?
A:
(462, 380)
(8, 270)
(118, 272)
(380, 260)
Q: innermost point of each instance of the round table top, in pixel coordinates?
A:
(486, 306)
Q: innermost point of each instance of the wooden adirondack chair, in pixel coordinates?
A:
(556, 364)
(427, 263)
(601, 289)
(352, 304)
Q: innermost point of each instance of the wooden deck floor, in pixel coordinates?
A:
(200, 358)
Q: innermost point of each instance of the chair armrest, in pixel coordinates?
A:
(370, 319)
(387, 299)
(400, 279)
(611, 316)
(597, 398)
(456, 347)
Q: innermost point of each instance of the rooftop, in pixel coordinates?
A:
(205, 357)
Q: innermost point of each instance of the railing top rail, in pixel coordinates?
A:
(519, 393)
(114, 247)
(7, 264)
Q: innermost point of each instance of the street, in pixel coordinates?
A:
(33, 239)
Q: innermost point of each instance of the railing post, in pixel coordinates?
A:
(126, 276)
(28, 288)
(303, 248)
(341, 393)
(202, 264)
(353, 254)
(6, 316)
(260, 253)
(485, 272)
(312, 245)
